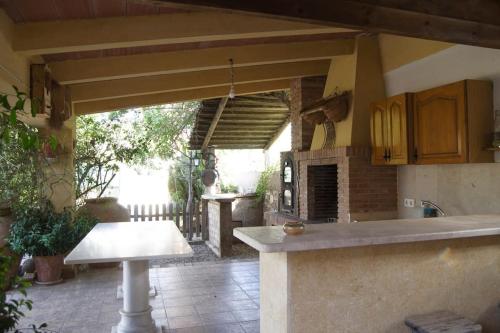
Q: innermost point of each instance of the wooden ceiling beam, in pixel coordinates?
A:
(240, 136)
(249, 131)
(254, 109)
(211, 78)
(471, 22)
(215, 121)
(239, 146)
(250, 112)
(257, 126)
(246, 140)
(108, 68)
(253, 118)
(176, 96)
(38, 38)
(247, 116)
(252, 102)
(250, 122)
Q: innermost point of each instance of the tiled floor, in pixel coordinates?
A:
(213, 297)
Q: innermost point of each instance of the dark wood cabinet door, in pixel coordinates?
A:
(397, 129)
(379, 133)
(440, 125)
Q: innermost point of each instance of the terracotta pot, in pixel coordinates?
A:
(106, 210)
(49, 269)
(294, 228)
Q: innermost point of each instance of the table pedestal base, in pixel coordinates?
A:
(153, 291)
(136, 312)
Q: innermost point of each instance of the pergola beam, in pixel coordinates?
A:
(472, 22)
(108, 68)
(215, 121)
(177, 96)
(38, 38)
(211, 78)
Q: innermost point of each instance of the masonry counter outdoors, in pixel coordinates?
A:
(370, 276)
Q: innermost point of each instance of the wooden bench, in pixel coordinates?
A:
(441, 322)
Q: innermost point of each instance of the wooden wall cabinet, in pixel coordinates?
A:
(389, 130)
(447, 124)
(453, 123)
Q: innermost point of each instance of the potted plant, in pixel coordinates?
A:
(46, 235)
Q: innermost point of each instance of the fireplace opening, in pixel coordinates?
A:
(322, 193)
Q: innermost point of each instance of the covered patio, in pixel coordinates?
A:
(391, 182)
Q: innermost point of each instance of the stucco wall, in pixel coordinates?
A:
(374, 288)
(248, 210)
(459, 189)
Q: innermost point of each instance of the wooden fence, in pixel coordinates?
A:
(171, 212)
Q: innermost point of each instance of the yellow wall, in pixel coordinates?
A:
(360, 73)
(397, 51)
(14, 69)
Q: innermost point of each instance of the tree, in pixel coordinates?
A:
(20, 170)
(131, 137)
(178, 180)
(20, 164)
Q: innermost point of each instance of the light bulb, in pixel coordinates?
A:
(232, 93)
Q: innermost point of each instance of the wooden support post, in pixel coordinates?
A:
(204, 219)
(213, 125)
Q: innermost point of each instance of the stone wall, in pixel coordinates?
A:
(248, 210)
(374, 288)
(220, 228)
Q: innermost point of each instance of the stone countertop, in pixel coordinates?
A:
(340, 235)
(220, 197)
(115, 242)
(228, 196)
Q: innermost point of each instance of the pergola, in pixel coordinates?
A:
(245, 122)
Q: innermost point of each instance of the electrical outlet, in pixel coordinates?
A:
(409, 203)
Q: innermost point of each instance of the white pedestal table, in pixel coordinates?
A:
(134, 244)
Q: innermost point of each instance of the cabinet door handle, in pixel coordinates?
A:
(415, 154)
(389, 155)
(385, 154)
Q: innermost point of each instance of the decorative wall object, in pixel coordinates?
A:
(333, 108)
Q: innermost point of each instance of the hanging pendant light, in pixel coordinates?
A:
(232, 92)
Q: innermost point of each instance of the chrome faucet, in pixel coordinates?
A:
(431, 204)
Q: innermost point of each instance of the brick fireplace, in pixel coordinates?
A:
(338, 182)
(358, 191)
(322, 192)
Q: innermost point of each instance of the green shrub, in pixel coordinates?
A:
(40, 231)
(263, 182)
(228, 188)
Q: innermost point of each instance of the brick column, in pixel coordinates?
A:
(220, 224)
(304, 91)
